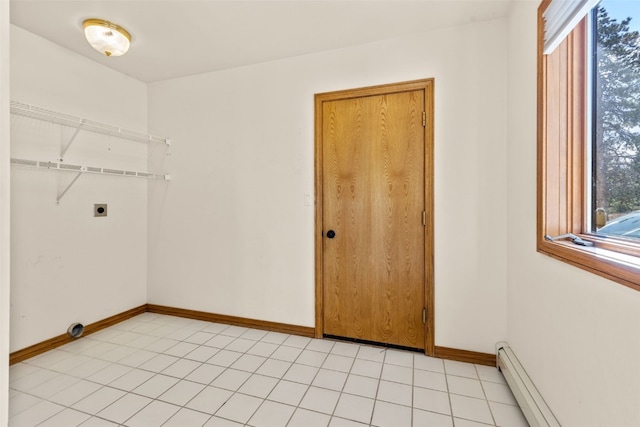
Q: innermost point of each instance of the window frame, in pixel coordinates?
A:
(562, 169)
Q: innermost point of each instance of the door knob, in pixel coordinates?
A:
(331, 234)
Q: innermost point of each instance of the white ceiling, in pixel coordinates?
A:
(175, 38)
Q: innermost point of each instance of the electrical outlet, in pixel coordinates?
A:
(100, 209)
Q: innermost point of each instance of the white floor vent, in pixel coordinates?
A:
(531, 402)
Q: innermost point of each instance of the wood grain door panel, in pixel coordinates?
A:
(373, 154)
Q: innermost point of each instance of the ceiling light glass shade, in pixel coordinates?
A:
(107, 37)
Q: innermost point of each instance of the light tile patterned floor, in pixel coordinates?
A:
(154, 370)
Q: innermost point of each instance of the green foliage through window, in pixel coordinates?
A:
(616, 121)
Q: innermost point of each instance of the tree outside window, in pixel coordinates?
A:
(616, 123)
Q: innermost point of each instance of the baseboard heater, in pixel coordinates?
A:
(533, 406)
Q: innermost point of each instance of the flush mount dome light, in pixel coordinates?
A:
(106, 37)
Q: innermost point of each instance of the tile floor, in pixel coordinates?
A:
(154, 370)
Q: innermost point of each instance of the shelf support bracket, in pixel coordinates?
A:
(73, 181)
(73, 137)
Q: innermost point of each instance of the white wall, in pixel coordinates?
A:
(66, 265)
(4, 212)
(577, 335)
(231, 233)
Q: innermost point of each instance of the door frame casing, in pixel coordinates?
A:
(427, 85)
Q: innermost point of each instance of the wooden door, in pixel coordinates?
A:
(374, 204)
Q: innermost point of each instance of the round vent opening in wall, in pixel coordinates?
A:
(75, 330)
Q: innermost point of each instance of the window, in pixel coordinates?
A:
(615, 132)
(589, 143)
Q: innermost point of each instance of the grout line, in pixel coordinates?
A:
(413, 381)
(446, 380)
(341, 392)
(375, 399)
(484, 393)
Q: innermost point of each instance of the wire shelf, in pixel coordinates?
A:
(88, 169)
(83, 124)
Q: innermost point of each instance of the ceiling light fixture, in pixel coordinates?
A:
(106, 37)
